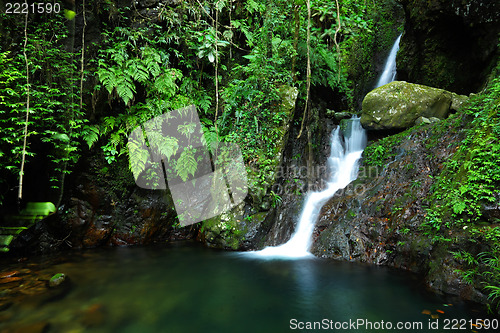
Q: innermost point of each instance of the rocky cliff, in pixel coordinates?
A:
(449, 44)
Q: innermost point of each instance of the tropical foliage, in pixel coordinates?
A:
(229, 58)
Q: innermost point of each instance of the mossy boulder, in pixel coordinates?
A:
(397, 105)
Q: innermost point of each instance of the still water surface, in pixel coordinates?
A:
(188, 288)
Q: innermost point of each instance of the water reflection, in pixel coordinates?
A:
(193, 289)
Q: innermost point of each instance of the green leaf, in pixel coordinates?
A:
(138, 157)
(90, 135)
(125, 89)
(186, 164)
(165, 145)
(459, 207)
(69, 14)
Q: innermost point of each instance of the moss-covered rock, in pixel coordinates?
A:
(399, 104)
(57, 280)
(380, 217)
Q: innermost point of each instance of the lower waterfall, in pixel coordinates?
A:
(343, 168)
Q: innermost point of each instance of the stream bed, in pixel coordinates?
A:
(188, 288)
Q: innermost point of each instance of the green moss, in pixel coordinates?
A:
(379, 152)
(470, 180)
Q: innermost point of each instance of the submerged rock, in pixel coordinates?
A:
(397, 105)
(57, 280)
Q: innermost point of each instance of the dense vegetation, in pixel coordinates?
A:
(467, 190)
(87, 79)
(464, 195)
(76, 84)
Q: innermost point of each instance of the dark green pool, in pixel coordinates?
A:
(187, 288)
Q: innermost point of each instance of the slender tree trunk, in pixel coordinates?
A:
(310, 155)
(72, 117)
(216, 66)
(296, 9)
(336, 41)
(308, 66)
(82, 58)
(269, 33)
(23, 158)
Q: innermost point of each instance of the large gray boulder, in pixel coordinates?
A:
(397, 105)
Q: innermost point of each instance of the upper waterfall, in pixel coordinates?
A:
(343, 168)
(389, 73)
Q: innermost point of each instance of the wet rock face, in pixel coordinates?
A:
(301, 171)
(104, 207)
(107, 208)
(377, 219)
(399, 104)
(491, 210)
(255, 223)
(449, 44)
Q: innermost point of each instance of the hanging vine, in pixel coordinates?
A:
(216, 65)
(308, 66)
(337, 30)
(23, 159)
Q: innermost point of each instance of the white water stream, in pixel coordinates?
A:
(343, 169)
(389, 73)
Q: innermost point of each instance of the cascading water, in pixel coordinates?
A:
(343, 167)
(389, 73)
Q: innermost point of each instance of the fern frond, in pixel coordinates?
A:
(108, 79)
(91, 135)
(165, 85)
(125, 89)
(166, 146)
(138, 157)
(186, 164)
(108, 124)
(152, 66)
(115, 139)
(141, 73)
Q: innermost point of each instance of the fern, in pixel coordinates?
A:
(166, 146)
(151, 61)
(186, 164)
(118, 54)
(187, 129)
(139, 156)
(125, 88)
(205, 102)
(108, 79)
(165, 83)
(108, 124)
(253, 6)
(115, 139)
(90, 135)
(141, 73)
(210, 138)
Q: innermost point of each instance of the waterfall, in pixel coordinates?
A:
(389, 73)
(343, 169)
